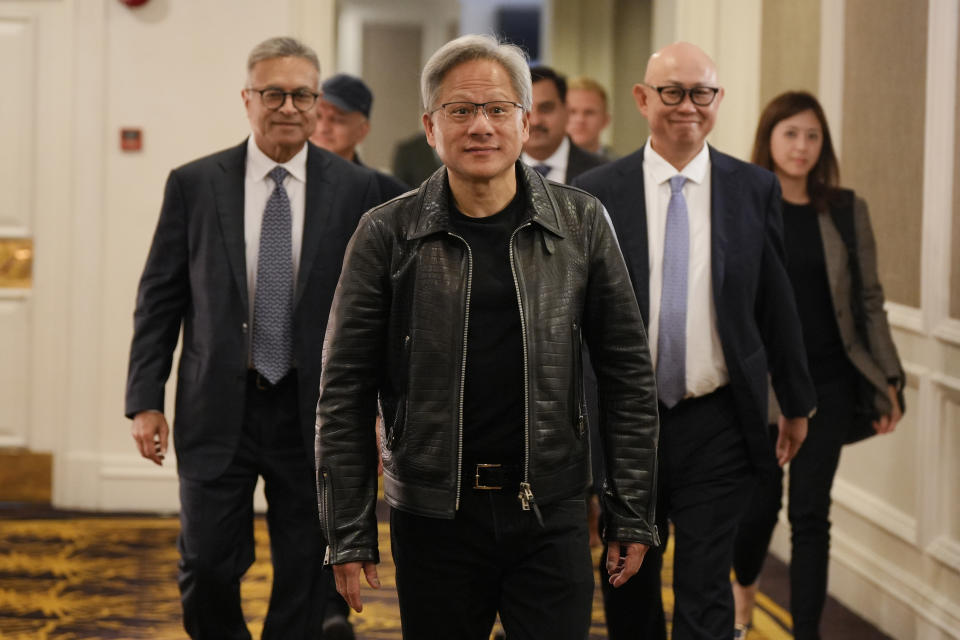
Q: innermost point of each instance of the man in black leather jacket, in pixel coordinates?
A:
(462, 307)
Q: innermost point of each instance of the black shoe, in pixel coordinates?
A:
(337, 628)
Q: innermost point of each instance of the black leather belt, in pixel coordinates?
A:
(495, 477)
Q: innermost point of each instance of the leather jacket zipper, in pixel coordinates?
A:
(326, 512)
(525, 496)
(463, 366)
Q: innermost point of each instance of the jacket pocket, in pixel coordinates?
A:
(398, 419)
(578, 401)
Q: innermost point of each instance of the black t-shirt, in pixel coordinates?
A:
(807, 268)
(493, 402)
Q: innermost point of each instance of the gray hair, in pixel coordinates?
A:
(283, 47)
(476, 47)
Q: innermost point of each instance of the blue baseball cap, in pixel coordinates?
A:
(348, 92)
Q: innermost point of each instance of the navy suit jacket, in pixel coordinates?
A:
(756, 313)
(196, 278)
(579, 160)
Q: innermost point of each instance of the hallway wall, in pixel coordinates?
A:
(886, 70)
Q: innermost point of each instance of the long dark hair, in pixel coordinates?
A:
(824, 177)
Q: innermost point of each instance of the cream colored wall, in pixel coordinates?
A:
(175, 70)
(790, 48)
(591, 39)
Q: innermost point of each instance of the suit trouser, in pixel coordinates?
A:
(811, 478)
(216, 527)
(703, 485)
(454, 576)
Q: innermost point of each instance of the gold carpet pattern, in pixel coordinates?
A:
(115, 578)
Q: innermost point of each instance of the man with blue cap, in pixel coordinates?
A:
(343, 121)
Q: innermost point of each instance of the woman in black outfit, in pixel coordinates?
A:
(831, 260)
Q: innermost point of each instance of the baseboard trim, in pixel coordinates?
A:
(932, 606)
(120, 483)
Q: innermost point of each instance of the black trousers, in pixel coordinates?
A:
(811, 478)
(216, 527)
(454, 576)
(703, 486)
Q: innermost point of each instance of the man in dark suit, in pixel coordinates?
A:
(245, 259)
(549, 149)
(701, 235)
(343, 122)
(414, 160)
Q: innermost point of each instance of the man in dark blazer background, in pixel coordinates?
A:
(701, 235)
(549, 149)
(245, 259)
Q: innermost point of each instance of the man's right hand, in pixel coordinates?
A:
(347, 576)
(150, 432)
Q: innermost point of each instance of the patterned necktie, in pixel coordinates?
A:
(672, 338)
(542, 169)
(273, 301)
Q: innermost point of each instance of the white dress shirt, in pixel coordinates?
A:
(557, 162)
(706, 367)
(257, 187)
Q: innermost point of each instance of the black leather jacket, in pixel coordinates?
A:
(397, 331)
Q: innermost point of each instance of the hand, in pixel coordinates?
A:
(150, 432)
(623, 568)
(793, 431)
(347, 576)
(886, 424)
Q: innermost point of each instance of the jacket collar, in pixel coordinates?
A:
(434, 212)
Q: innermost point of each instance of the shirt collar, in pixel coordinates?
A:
(260, 164)
(558, 159)
(661, 170)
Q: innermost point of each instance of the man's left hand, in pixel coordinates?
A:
(793, 431)
(622, 568)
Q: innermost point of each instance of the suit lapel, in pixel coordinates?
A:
(320, 203)
(229, 190)
(724, 203)
(629, 213)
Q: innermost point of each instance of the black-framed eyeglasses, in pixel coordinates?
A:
(303, 99)
(672, 95)
(463, 112)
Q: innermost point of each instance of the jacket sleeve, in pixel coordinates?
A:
(778, 319)
(345, 442)
(878, 330)
(629, 422)
(162, 298)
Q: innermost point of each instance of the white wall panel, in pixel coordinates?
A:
(17, 108)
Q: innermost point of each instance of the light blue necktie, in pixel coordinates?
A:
(542, 169)
(672, 338)
(273, 300)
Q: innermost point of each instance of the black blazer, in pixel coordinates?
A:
(580, 160)
(756, 313)
(195, 278)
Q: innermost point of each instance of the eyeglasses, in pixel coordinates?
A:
(303, 100)
(463, 112)
(672, 95)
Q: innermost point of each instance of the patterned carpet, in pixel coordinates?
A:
(115, 577)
